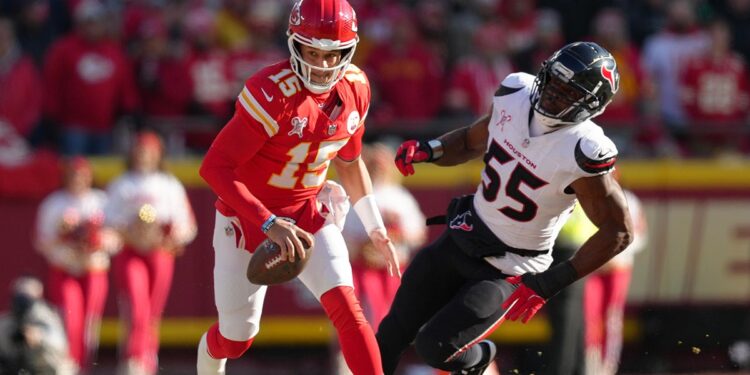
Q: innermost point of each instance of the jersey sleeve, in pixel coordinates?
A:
(361, 86)
(353, 148)
(260, 103)
(184, 228)
(115, 210)
(240, 139)
(47, 220)
(514, 82)
(595, 154)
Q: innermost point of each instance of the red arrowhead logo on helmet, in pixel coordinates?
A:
(294, 17)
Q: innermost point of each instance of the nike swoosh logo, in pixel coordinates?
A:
(602, 154)
(268, 98)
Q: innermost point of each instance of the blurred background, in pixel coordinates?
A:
(81, 77)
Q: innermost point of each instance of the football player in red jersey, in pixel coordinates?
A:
(292, 119)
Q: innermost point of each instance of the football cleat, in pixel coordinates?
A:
(489, 351)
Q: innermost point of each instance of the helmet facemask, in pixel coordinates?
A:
(304, 70)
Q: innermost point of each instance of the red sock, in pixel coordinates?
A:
(221, 347)
(356, 338)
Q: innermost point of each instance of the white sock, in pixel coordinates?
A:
(206, 364)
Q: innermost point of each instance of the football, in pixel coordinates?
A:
(266, 266)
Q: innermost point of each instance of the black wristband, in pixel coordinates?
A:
(551, 281)
(433, 148)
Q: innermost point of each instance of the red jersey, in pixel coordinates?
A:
(87, 83)
(279, 145)
(715, 90)
(21, 95)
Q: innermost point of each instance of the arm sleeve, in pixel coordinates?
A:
(184, 227)
(116, 211)
(46, 230)
(129, 92)
(353, 148)
(236, 144)
(595, 154)
(53, 72)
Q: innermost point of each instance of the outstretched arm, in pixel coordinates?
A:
(452, 148)
(464, 144)
(355, 179)
(604, 203)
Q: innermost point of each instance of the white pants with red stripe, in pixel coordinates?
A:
(240, 302)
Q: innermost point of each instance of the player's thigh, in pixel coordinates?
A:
(428, 283)
(473, 313)
(238, 301)
(328, 266)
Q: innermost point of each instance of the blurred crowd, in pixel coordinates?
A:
(73, 72)
(132, 231)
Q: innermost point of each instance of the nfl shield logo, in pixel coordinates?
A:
(332, 129)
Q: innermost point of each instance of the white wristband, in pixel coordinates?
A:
(368, 213)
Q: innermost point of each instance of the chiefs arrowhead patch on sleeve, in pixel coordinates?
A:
(596, 156)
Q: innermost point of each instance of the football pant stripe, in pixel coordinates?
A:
(482, 336)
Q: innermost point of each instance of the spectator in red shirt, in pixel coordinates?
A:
(208, 66)
(611, 32)
(21, 93)
(164, 81)
(714, 90)
(548, 38)
(209, 69)
(663, 55)
(89, 82)
(522, 19)
(261, 48)
(407, 76)
(476, 77)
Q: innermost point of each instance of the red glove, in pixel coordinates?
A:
(410, 152)
(534, 289)
(524, 302)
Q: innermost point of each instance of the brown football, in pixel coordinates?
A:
(266, 266)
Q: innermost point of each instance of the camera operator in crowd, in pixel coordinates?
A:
(32, 337)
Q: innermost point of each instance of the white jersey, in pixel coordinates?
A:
(524, 196)
(60, 214)
(164, 196)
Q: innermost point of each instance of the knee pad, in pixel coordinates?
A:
(342, 307)
(222, 347)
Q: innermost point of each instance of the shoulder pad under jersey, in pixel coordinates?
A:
(595, 153)
(266, 93)
(514, 82)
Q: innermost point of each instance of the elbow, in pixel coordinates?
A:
(623, 239)
(205, 171)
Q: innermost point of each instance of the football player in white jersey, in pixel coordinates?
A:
(542, 152)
